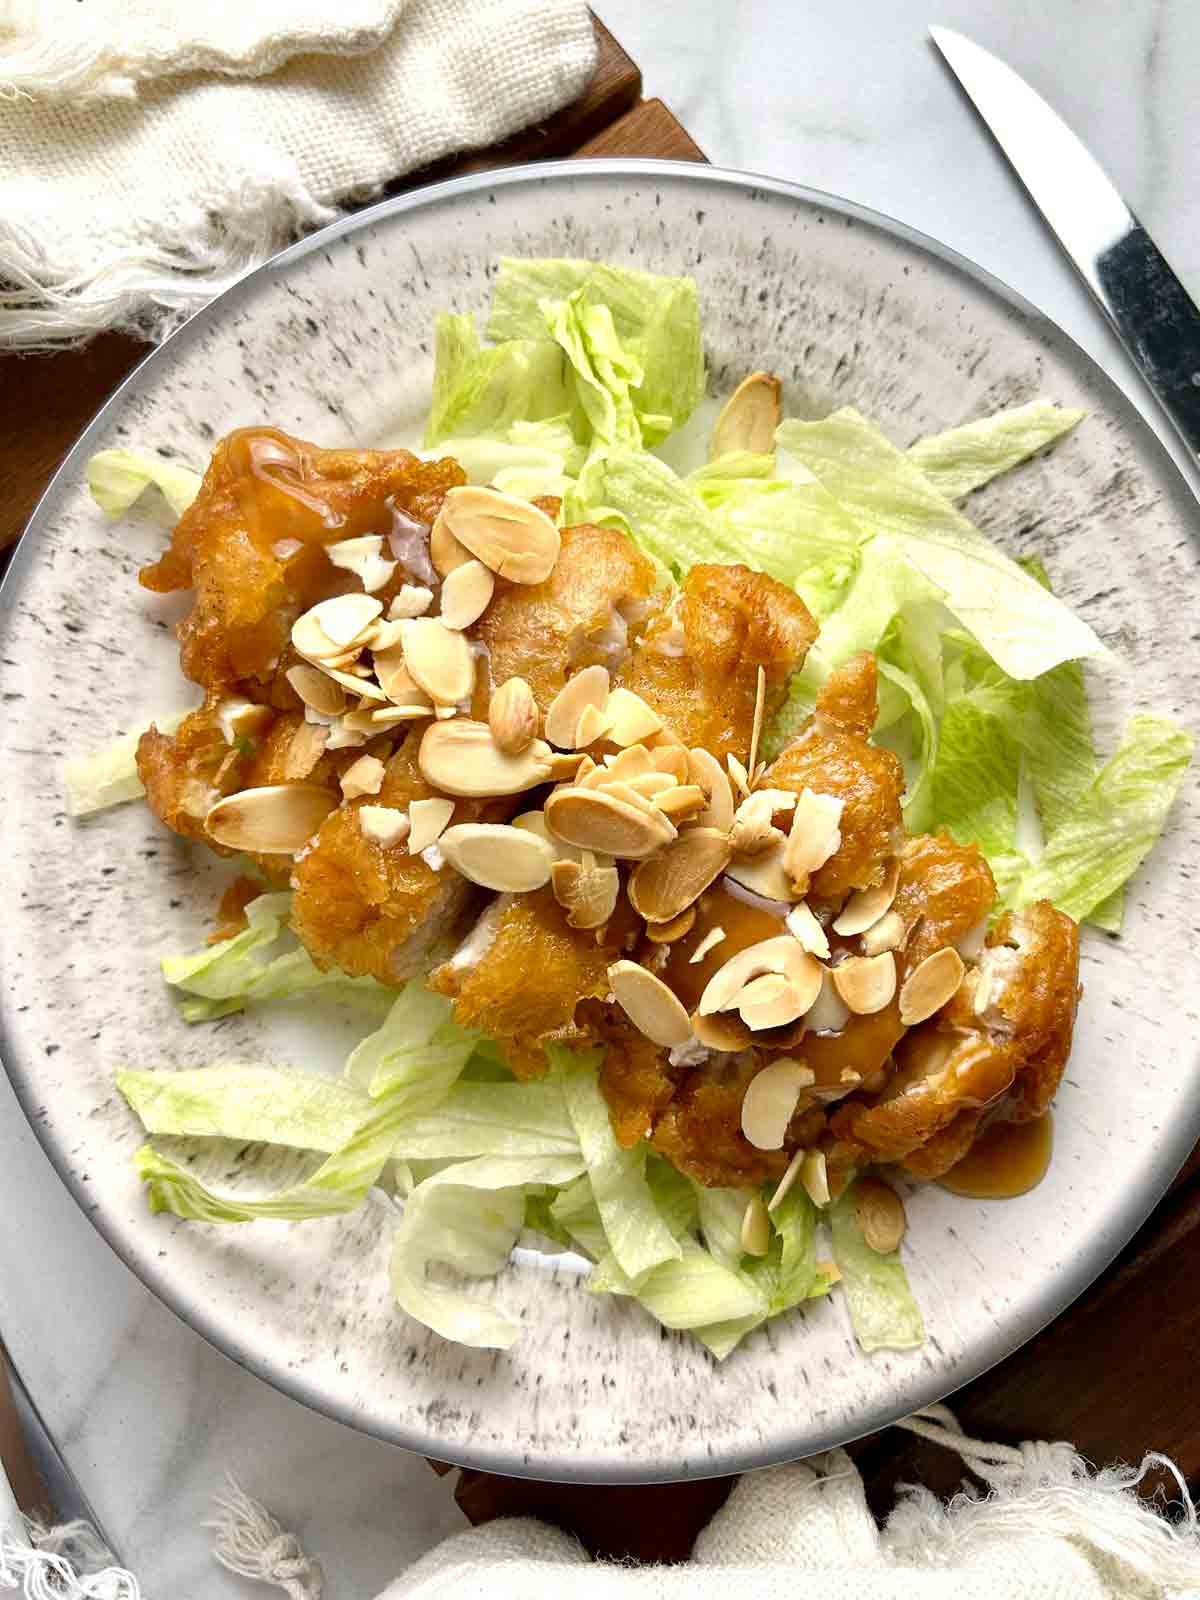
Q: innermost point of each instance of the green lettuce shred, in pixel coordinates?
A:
(882, 1308)
(116, 478)
(965, 458)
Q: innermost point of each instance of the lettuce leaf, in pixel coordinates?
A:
(247, 1101)
(108, 777)
(967, 457)
(479, 390)
(665, 516)
(605, 374)
(575, 1212)
(492, 1119)
(882, 1308)
(637, 1235)
(117, 478)
(418, 1051)
(691, 1291)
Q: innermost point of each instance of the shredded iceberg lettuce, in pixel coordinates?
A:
(882, 1308)
(108, 777)
(247, 1101)
(116, 478)
(965, 458)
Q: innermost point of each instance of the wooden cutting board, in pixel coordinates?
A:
(1115, 1373)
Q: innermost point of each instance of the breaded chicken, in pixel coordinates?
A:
(263, 493)
(698, 661)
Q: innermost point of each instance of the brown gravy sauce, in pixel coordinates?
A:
(1007, 1159)
(744, 925)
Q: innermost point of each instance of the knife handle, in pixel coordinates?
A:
(1158, 323)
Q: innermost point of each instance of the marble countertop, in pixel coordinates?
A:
(853, 101)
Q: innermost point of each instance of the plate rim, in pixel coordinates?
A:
(1063, 1290)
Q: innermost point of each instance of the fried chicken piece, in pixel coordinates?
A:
(700, 1132)
(231, 912)
(578, 617)
(946, 890)
(703, 684)
(527, 985)
(263, 487)
(831, 756)
(634, 1079)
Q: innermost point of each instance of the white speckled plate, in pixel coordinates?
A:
(332, 341)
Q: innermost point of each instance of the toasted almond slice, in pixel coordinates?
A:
(591, 776)
(814, 1175)
(707, 772)
(753, 831)
(444, 713)
(317, 690)
(662, 887)
(387, 825)
(311, 641)
(594, 819)
(683, 801)
(781, 955)
(652, 1008)
(513, 716)
(635, 762)
(764, 875)
(724, 1032)
(669, 932)
(439, 660)
(866, 983)
(364, 557)
(632, 719)
(305, 749)
(748, 419)
(412, 600)
(802, 924)
(344, 617)
(829, 1012)
(364, 776)
(738, 775)
(785, 1183)
(672, 758)
(879, 1212)
(756, 1227)
(242, 719)
(769, 1002)
(760, 706)
(466, 594)
(344, 736)
(587, 892)
(515, 539)
(498, 856)
(929, 986)
(586, 688)
(429, 819)
(364, 688)
(710, 941)
(278, 819)
(586, 766)
(373, 719)
(445, 552)
(770, 1102)
(593, 726)
(865, 906)
(383, 636)
(462, 758)
(396, 680)
(565, 766)
(889, 933)
(815, 835)
(632, 797)
(647, 784)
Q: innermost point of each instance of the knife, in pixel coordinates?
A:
(1149, 309)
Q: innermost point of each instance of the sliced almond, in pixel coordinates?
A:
(707, 772)
(462, 758)
(785, 1183)
(889, 933)
(672, 758)
(764, 874)
(814, 837)
(343, 618)
(748, 419)
(682, 801)
(498, 856)
(586, 892)
(652, 1008)
(829, 1013)
(412, 600)
(564, 767)
(669, 932)
(311, 641)
(364, 776)
(515, 539)
(760, 706)
(306, 748)
(738, 775)
(769, 1002)
(802, 924)
(387, 825)
(590, 776)
(724, 1032)
(439, 660)
(364, 557)
(781, 955)
(445, 552)
(879, 1212)
(513, 716)
(636, 762)
(466, 594)
(344, 737)
(710, 941)
(278, 819)
(593, 725)
(865, 906)
(753, 830)
(770, 1102)
(317, 690)
(383, 636)
(866, 983)
(373, 719)
(647, 783)
(586, 688)
(814, 1175)
(632, 719)
(242, 719)
(428, 820)
(929, 986)
(756, 1227)
(594, 819)
(363, 688)
(674, 879)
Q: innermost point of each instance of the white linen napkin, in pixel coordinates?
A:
(151, 151)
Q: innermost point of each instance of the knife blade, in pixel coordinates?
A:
(1148, 308)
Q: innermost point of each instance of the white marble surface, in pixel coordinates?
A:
(849, 99)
